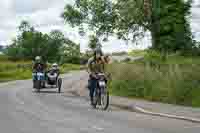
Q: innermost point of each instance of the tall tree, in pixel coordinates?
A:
(166, 20)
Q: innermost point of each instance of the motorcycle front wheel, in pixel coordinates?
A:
(105, 99)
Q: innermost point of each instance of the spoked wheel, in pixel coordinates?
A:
(59, 84)
(104, 99)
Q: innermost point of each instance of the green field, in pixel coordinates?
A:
(22, 69)
(137, 53)
(175, 81)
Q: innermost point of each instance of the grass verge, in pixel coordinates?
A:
(22, 70)
(177, 81)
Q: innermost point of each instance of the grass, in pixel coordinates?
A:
(69, 67)
(22, 70)
(137, 53)
(14, 70)
(175, 81)
(19, 74)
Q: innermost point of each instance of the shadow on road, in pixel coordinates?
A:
(45, 91)
(48, 91)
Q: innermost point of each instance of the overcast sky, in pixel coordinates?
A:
(45, 16)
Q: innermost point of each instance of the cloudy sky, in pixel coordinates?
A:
(45, 16)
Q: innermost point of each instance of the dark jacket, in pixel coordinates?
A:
(39, 67)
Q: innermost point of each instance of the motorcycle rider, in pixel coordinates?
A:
(53, 73)
(54, 69)
(96, 64)
(39, 66)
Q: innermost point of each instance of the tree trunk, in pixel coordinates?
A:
(155, 24)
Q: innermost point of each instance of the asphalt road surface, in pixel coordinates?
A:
(22, 110)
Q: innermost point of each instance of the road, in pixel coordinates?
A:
(24, 111)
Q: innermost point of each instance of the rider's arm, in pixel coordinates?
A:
(58, 71)
(105, 67)
(89, 66)
(34, 67)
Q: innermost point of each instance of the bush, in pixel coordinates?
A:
(127, 59)
(153, 57)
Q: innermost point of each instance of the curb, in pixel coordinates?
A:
(143, 111)
(138, 109)
(8, 83)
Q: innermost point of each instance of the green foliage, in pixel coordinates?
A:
(51, 47)
(170, 26)
(167, 20)
(137, 53)
(153, 57)
(71, 53)
(94, 42)
(196, 48)
(105, 17)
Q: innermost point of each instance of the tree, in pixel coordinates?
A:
(129, 19)
(94, 42)
(105, 17)
(70, 52)
(25, 26)
(170, 25)
(31, 43)
(55, 44)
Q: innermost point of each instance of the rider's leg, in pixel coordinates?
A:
(92, 86)
(43, 84)
(34, 79)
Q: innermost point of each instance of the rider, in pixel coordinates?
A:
(39, 66)
(96, 64)
(53, 73)
(55, 68)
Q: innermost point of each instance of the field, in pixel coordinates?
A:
(175, 81)
(19, 70)
(137, 53)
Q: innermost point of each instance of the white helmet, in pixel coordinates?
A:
(37, 58)
(55, 66)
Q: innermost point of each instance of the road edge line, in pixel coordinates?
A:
(138, 109)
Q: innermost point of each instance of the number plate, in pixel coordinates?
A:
(102, 83)
(40, 74)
